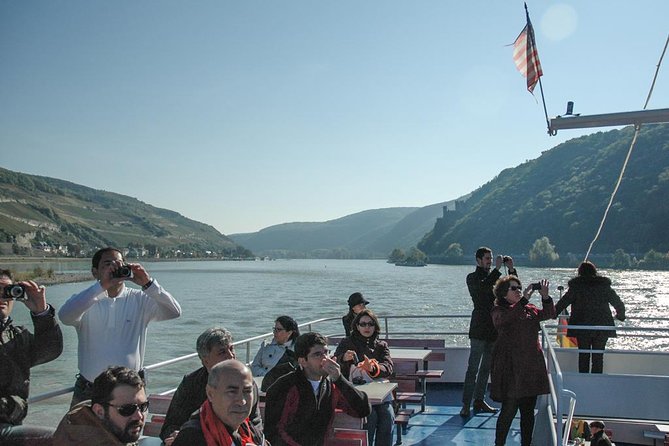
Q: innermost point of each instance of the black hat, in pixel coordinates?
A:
(356, 299)
(598, 424)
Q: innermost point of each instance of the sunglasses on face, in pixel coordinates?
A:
(127, 410)
(366, 324)
(516, 288)
(278, 329)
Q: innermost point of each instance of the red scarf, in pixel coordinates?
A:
(215, 432)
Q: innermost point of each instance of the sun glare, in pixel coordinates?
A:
(559, 22)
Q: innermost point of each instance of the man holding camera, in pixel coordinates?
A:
(482, 333)
(19, 351)
(111, 319)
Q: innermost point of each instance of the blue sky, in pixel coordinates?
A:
(251, 113)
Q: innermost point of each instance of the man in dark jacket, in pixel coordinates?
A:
(482, 333)
(300, 406)
(114, 416)
(19, 351)
(214, 345)
(223, 419)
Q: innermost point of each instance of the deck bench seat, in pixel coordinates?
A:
(401, 423)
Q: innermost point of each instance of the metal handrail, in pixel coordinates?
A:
(557, 386)
(246, 343)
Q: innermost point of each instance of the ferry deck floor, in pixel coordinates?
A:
(442, 425)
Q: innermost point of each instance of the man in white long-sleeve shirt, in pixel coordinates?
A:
(111, 319)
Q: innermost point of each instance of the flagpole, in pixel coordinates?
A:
(541, 86)
(548, 122)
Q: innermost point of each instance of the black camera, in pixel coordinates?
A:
(536, 286)
(505, 259)
(123, 272)
(15, 291)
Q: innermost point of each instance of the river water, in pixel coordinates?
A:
(246, 297)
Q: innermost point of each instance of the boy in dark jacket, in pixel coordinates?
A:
(599, 437)
(300, 406)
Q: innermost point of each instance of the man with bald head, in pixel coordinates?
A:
(223, 419)
(214, 345)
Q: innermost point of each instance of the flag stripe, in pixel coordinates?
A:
(526, 57)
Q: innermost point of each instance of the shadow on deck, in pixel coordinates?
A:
(442, 425)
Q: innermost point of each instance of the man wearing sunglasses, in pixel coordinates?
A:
(114, 417)
(300, 406)
(482, 333)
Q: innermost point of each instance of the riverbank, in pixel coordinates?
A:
(64, 278)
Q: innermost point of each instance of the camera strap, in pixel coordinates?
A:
(4, 324)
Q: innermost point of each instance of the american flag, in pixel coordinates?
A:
(526, 57)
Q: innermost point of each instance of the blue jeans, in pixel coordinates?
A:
(478, 370)
(380, 425)
(11, 435)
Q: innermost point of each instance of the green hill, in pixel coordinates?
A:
(37, 210)
(563, 195)
(340, 238)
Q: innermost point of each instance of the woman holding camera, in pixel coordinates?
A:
(518, 373)
(363, 357)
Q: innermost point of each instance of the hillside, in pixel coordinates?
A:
(371, 233)
(563, 195)
(37, 210)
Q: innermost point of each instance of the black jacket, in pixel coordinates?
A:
(600, 439)
(480, 284)
(19, 351)
(347, 321)
(293, 414)
(188, 398)
(191, 434)
(372, 347)
(589, 298)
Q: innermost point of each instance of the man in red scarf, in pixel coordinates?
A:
(223, 419)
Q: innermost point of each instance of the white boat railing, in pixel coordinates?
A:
(557, 409)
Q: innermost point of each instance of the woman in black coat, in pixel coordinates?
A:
(369, 358)
(518, 373)
(589, 295)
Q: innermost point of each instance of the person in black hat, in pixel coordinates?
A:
(599, 437)
(356, 303)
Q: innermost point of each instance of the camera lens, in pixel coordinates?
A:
(14, 291)
(124, 271)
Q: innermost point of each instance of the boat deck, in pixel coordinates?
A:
(442, 425)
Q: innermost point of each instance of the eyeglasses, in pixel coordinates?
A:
(516, 288)
(366, 324)
(319, 355)
(127, 410)
(278, 329)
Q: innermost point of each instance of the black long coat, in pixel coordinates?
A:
(480, 284)
(589, 298)
(518, 366)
